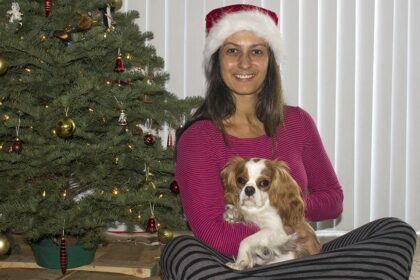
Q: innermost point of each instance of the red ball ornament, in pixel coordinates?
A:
(16, 146)
(174, 187)
(149, 139)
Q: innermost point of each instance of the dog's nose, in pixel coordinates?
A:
(249, 190)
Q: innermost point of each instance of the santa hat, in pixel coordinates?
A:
(223, 22)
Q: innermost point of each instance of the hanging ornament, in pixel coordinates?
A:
(122, 120)
(64, 35)
(4, 244)
(149, 138)
(3, 66)
(174, 187)
(170, 143)
(107, 17)
(63, 254)
(17, 144)
(14, 14)
(117, 4)
(151, 223)
(165, 235)
(119, 63)
(148, 181)
(85, 22)
(47, 7)
(65, 127)
(164, 132)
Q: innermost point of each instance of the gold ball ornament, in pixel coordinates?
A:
(65, 127)
(165, 235)
(117, 4)
(3, 66)
(4, 244)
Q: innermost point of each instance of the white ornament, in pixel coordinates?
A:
(122, 120)
(14, 13)
(108, 15)
(82, 195)
(166, 133)
(163, 133)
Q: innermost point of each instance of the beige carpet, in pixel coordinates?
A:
(415, 270)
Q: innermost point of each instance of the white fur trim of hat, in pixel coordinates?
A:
(246, 20)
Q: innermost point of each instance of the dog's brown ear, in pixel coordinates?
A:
(228, 177)
(285, 195)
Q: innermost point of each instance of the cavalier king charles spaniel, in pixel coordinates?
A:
(263, 193)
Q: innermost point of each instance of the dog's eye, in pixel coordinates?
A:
(263, 183)
(241, 180)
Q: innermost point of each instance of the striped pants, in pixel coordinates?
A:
(382, 249)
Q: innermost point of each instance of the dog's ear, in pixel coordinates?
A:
(285, 195)
(228, 177)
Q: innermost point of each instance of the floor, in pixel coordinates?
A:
(50, 274)
(415, 270)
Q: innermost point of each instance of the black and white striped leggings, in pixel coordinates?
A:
(382, 249)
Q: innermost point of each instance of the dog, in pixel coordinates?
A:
(262, 192)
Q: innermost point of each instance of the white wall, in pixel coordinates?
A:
(353, 64)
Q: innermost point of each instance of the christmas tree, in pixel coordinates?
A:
(87, 128)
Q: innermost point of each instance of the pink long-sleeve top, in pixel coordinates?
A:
(202, 153)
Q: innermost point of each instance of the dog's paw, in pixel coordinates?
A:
(232, 265)
(237, 265)
(232, 214)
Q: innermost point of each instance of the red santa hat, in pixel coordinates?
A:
(223, 22)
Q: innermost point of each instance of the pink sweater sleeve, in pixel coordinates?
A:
(201, 192)
(325, 198)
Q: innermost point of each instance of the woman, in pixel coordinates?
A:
(243, 114)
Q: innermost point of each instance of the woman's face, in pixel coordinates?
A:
(243, 62)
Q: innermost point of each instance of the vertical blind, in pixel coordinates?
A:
(354, 65)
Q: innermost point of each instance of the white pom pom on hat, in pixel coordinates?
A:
(223, 22)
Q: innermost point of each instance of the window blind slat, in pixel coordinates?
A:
(289, 26)
(363, 111)
(413, 116)
(308, 55)
(344, 140)
(381, 110)
(175, 45)
(398, 110)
